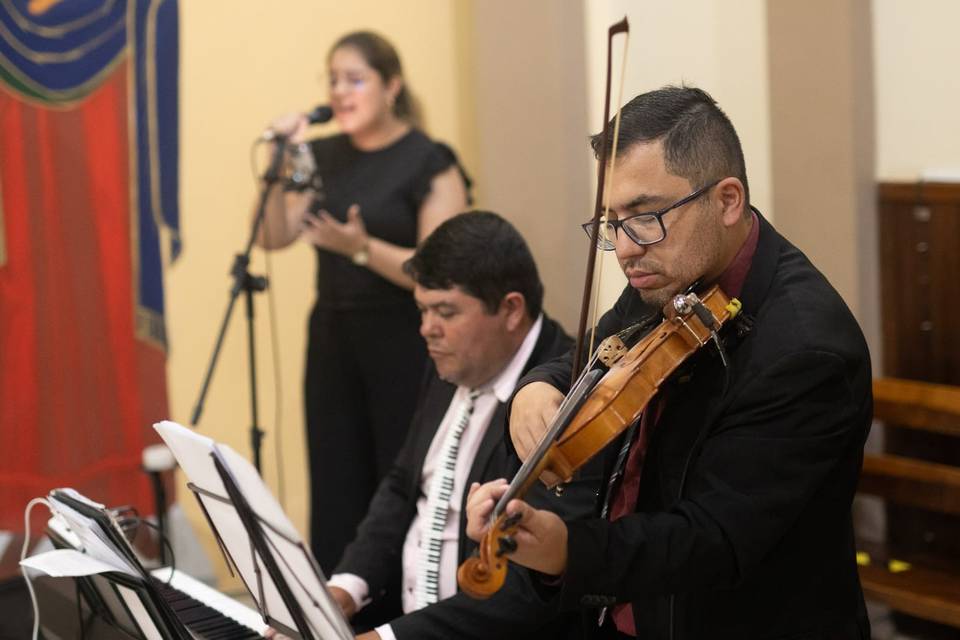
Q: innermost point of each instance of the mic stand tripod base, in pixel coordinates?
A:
(244, 281)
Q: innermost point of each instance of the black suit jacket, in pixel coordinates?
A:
(743, 524)
(376, 552)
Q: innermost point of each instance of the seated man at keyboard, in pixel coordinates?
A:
(480, 299)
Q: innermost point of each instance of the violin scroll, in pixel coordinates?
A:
(482, 575)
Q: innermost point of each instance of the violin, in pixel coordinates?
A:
(599, 408)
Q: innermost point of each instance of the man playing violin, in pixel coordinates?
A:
(480, 299)
(727, 511)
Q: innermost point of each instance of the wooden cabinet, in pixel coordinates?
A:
(919, 229)
(920, 280)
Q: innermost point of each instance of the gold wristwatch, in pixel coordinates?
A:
(362, 257)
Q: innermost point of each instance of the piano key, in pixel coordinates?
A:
(206, 611)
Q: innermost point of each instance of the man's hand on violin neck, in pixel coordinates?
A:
(541, 536)
(531, 413)
(481, 500)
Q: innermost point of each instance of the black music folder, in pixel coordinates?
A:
(128, 597)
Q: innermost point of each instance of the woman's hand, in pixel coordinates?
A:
(292, 126)
(346, 238)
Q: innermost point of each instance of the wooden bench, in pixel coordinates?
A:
(923, 588)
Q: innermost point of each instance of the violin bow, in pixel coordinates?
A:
(602, 202)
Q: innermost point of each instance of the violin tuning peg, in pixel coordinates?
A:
(511, 521)
(507, 545)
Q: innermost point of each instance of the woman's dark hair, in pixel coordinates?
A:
(699, 141)
(484, 255)
(382, 58)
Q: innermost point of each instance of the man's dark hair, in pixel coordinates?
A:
(484, 255)
(699, 141)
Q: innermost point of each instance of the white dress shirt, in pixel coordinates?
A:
(497, 391)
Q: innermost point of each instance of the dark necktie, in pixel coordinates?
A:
(625, 499)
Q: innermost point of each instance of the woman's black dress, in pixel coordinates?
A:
(365, 355)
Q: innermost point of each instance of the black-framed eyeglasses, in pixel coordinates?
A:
(642, 228)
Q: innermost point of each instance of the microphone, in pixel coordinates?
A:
(318, 115)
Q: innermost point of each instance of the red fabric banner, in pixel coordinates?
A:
(79, 390)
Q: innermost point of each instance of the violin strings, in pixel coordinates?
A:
(528, 465)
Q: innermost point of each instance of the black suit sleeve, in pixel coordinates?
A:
(513, 612)
(792, 433)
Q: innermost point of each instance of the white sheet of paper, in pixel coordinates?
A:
(140, 613)
(87, 532)
(193, 452)
(295, 566)
(67, 562)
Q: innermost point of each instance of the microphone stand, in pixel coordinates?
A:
(244, 281)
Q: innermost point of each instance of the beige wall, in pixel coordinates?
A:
(822, 110)
(241, 64)
(529, 106)
(916, 50)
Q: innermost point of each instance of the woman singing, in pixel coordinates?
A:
(383, 186)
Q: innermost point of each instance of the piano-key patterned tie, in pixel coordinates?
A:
(438, 507)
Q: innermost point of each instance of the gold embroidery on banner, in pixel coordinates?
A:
(132, 167)
(148, 324)
(60, 56)
(60, 30)
(62, 98)
(39, 7)
(153, 137)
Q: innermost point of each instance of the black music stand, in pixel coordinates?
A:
(276, 567)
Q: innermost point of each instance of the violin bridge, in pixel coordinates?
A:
(611, 350)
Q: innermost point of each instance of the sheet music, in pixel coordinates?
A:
(297, 565)
(89, 535)
(61, 563)
(139, 612)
